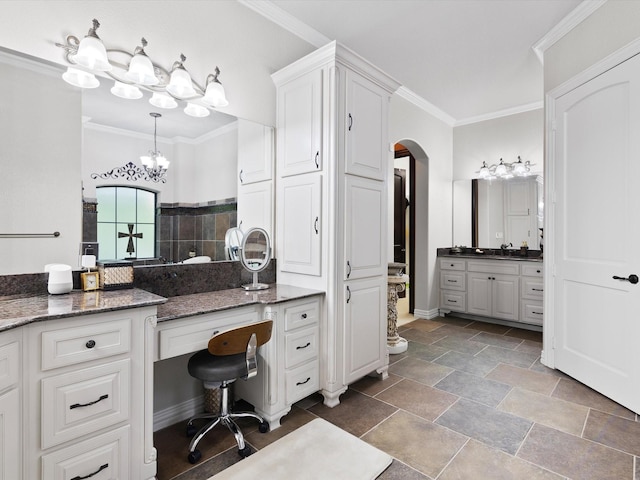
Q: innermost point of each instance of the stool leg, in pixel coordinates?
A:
(243, 449)
(201, 433)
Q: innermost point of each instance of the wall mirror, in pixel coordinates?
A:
(490, 213)
(255, 255)
(77, 128)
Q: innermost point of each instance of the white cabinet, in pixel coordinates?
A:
(363, 228)
(365, 335)
(299, 239)
(332, 126)
(367, 152)
(453, 285)
(493, 295)
(300, 124)
(255, 206)
(531, 301)
(86, 407)
(10, 407)
(255, 152)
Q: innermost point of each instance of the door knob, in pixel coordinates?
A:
(633, 278)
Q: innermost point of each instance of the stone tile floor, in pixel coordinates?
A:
(468, 400)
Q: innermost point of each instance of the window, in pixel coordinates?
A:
(126, 222)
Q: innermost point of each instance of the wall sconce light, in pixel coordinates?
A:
(505, 169)
(133, 72)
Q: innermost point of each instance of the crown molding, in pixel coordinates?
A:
(500, 113)
(428, 107)
(290, 23)
(568, 23)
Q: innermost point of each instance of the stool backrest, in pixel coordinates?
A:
(236, 340)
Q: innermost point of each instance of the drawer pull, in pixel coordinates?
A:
(537, 271)
(538, 289)
(453, 301)
(452, 281)
(537, 313)
(102, 467)
(304, 315)
(302, 383)
(78, 405)
(307, 345)
(90, 344)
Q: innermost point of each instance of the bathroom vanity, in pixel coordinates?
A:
(76, 371)
(497, 288)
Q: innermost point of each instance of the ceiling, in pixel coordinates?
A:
(468, 58)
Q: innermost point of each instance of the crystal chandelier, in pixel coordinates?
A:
(155, 164)
(505, 169)
(134, 72)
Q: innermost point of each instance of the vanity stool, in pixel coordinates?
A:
(230, 355)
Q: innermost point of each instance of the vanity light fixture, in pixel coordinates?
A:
(155, 164)
(134, 72)
(505, 169)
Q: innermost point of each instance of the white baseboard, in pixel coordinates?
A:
(178, 413)
(426, 314)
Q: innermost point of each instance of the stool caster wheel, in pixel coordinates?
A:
(264, 427)
(191, 431)
(194, 456)
(245, 452)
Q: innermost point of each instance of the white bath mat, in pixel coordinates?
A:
(316, 451)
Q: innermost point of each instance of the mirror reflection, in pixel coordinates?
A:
(493, 213)
(255, 255)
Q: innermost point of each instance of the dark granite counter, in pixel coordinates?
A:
(200, 303)
(16, 311)
(493, 254)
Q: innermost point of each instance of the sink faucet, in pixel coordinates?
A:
(504, 247)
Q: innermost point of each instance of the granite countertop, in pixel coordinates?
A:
(21, 310)
(489, 256)
(200, 303)
(16, 311)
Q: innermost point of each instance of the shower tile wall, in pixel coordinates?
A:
(199, 229)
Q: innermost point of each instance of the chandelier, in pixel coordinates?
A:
(134, 72)
(505, 169)
(155, 164)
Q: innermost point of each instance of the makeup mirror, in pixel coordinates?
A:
(255, 255)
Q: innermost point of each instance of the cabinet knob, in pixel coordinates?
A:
(304, 315)
(90, 344)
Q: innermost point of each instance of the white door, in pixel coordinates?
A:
(595, 165)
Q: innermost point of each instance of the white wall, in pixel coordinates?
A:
(430, 142)
(40, 165)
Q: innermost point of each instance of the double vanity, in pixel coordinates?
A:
(492, 286)
(76, 370)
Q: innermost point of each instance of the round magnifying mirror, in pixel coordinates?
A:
(255, 255)
(232, 241)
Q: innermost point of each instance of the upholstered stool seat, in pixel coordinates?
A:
(230, 355)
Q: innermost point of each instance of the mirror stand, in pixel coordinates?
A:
(255, 255)
(255, 285)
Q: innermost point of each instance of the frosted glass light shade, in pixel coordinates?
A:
(195, 110)
(501, 170)
(162, 100)
(162, 161)
(180, 84)
(92, 54)
(214, 95)
(129, 92)
(146, 161)
(141, 70)
(80, 78)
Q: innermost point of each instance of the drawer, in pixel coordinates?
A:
(532, 270)
(532, 311)
(302, 381)
(85, 342)
(532, 287)
(453, 281)
(84, 401)
(9, 365)
(104, 457)
(193, 334)
(301, 314)
(449, 264)
(300, 346)
(499, 267)
(453, 301)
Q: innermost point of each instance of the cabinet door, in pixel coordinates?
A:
(255, 206)
(300, 224)
(255, 152)
(364, 227)
(365, 327)
(479, 293)
(517, 198)
(300, 125)
(10, 436)
(367, 149)
(505, 297)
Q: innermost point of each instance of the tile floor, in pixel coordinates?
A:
(468, 400)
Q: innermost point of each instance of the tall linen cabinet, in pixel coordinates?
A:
(332, 153)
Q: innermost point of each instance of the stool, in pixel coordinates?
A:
(230, 355)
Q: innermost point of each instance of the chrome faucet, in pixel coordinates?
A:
(504, 247)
